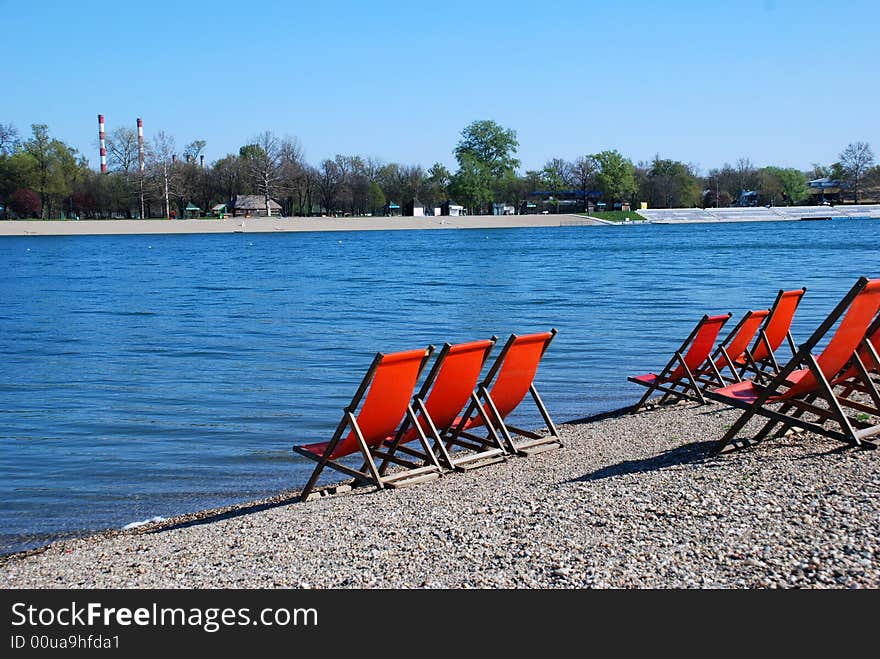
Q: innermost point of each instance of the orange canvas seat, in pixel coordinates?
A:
(678, 378)
(507, 383)
(761, 358)
(381, 403)
(449, 387)
(731, 352)
(806, 379)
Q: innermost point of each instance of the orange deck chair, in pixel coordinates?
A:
(806, 380)
(761, 359)
(448, 388)
(731, 352)
(511, 377)
(386, 391)
(677, 378)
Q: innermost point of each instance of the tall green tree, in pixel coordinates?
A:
(616, 175)
(55, 167)
(490, 146)
(486, 160)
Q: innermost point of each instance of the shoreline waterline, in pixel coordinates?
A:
(283, 497)
(286, 224)
(630, 500)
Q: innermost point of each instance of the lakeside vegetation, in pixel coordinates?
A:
(41, 176)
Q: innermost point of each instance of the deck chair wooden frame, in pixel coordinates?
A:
(496, 408)
(732, 351)
(448, 388)
(862, 376)
(760, 361)
(397, 374)
(805, 381)
(678, 378)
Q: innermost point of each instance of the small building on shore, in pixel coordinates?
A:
(452, 209)
(826, 191)
(192, 212)
(391, 209)
(253, 204)
(414, 208)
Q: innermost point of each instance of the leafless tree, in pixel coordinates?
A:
(227, 177)
(123, 157)
(328, 182)
(262, 160)
(8, 138)
(122, 150)
(746, 175)
(162, 157)
(291, 164)
(583, 173)
(856, 159)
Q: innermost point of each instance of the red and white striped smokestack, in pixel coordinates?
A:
(103, 145)
(141, 144)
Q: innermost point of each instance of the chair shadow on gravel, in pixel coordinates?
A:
(682, 455)
(211, 517)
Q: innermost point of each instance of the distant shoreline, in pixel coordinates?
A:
(284, 224)
(299, 224)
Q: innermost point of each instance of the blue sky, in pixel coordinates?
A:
(782, 82)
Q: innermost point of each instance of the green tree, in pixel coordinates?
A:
(472, 184)
(616, 175)
(55, 166)
(376, 198)
(490, 146)
(16, 171)
(671, 184)
(486, 161)
(788, 185)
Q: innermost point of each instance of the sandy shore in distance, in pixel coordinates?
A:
(632, 500)
(276, 224)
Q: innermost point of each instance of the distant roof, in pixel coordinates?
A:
(252, 202)
(192, 207)
(825, 183)
(570, 193)
(218, 207)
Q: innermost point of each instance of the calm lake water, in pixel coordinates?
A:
(148, 376)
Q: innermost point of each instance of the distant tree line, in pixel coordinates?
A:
(41, 176)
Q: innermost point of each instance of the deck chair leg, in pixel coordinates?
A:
(647, 395)
(322, 462)
(543, 410)
(871, 389)
(730, 435)
(493, 434)
(435, 435)
(728, 363)
(833, 403)
(693, 380)
(497, 415)
(423, 440)
(368, 458)
(661, 376)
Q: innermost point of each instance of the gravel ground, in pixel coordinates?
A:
(632, 500)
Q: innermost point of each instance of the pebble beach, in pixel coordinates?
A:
(630, 501)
